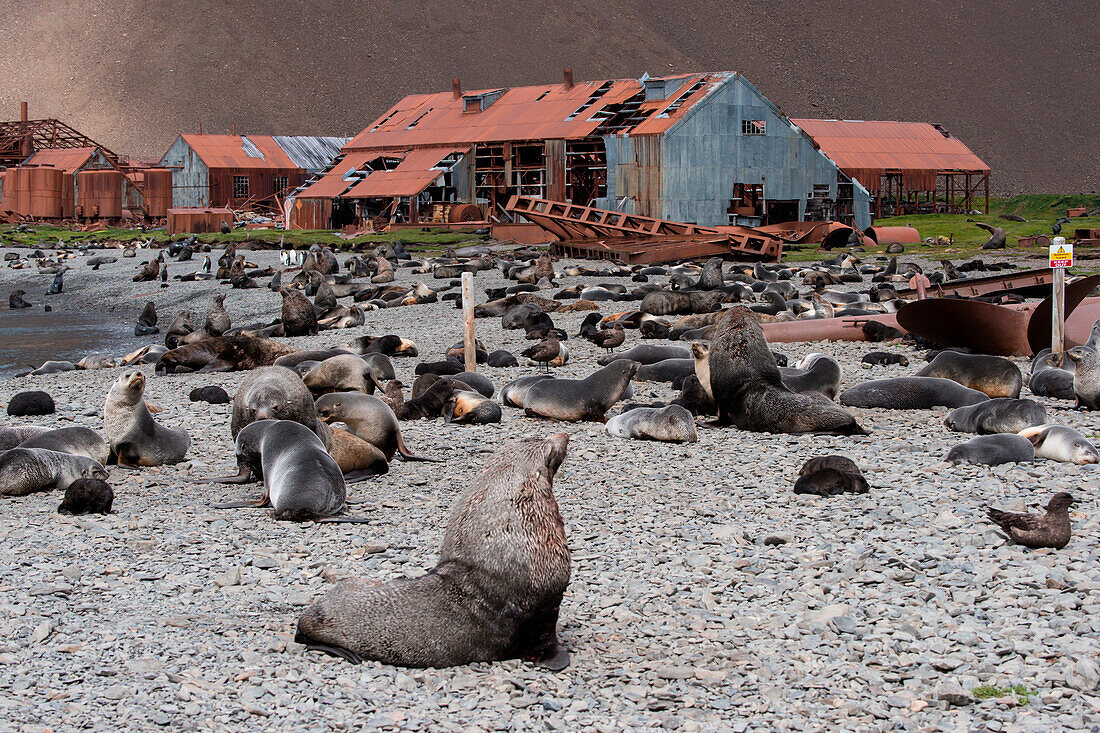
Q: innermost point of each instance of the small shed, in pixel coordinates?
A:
(243, 171)
(197, 220)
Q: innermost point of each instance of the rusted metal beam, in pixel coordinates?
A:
(973, 287)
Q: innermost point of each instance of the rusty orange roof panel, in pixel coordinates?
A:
(551, 111)
(69, 160)
(240, 151)
(870, 148)
(413, 174)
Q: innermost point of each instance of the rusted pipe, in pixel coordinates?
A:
(844, 328)
(24, 114)
(892, 235)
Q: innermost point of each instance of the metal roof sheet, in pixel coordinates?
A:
(239, 151)
(872, 147)
(310, 152)
(412, 175)
(69, 160)
(550, 111)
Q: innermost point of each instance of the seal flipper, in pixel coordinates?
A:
(554, 658)
(243, 503)
(354, 477)
(348, 520)
(244, 477)
(333, 651)
(408, 455)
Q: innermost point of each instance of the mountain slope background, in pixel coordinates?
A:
(1017, 81)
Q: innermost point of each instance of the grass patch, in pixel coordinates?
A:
(986, 692)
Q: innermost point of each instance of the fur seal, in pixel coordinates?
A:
(882, 358)
(213, 394)
(829, 476)
(502, 358)
(349, 373)
(222, 354)
(1061, 443)
(275, 393)
(27, 470)
(290, 361)
(217, 319)
(672, 424)
(671, 302)
(76, 441)
(993, 450)
(748, 389)
(32, 402)
(575, 400)
(299, 317)
(87, 496)
(1049, 380)
(814, 373)
(1052, 529)
(694, 398)
(668, 370)
(302, 482)
(1086, 377)
(16, 301)
(993, 375)
(136, 439)
(10, 437)
(911, 393)
(430, 404)
(470, 408)
(495, 593)
(369, 418)
(515, 392)
(647, 354)
(998, 415)
(147, 322)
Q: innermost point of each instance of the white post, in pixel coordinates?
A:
(468, 320)
(1058, 303)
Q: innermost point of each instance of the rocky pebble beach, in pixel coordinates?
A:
(705, 595)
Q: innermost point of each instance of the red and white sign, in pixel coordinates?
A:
(1061, 254)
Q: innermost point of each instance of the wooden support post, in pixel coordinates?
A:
(1058, 310)
(468, 320)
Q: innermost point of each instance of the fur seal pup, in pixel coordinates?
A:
(694, 398)
(302, 482)
(76, 441)
(369, 418)
(1051, 529)
(1049, 380)
(814, 373)
(16, 301)
(470, 408)
(213, 394)
(27, 470)
(495, 593)
(829, 476)
(911, 393)
(993, 375)
(1061, 443)
(298, 316)
(1086, 377)
(502, 358)
(748, 389)
(87, 496)
(998, 415)
(993, 450)
(136, 439)
(515, 392)
(671, 424)
(882, 358)
(12, 436)
(575, 400)
(430, 404)
(32, 402)
(647, 354)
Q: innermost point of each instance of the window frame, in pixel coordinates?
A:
(240, 182)
(754, 128)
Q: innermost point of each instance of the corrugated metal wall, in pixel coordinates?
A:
(190, 176)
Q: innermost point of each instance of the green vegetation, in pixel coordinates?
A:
(1022, 693)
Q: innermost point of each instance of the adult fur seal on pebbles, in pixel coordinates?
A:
(575, 400)
(136, 439)
(1086, 377)
(27, 470)
(993, 450)
(672, 424)
(814, 373)
(495, 593)
(369, 418)
(748, 389)
(470, 408)
(911, 393)
(274, 393)
(12, 436)
(299, 317)
(77, 441)
(1061, 443)
(1000, 415)
(1049, 380)
(349, 373)
(993, 375)
(222, 354)
(515, 392)
(302, 482)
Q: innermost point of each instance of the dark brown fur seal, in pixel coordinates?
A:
(829, 476)
(87, 496)
(275, 393)
(495, 593)
(222, 354)
(747, 387)
(299, 317)
(430, 404)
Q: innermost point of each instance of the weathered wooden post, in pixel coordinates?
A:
(468, 320)
(1061, 258)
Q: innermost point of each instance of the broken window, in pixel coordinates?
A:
(448, 162)
(240, 187)
(420, 117)
(280, 183)
(385, 119)
(754, 127)
(596, 95)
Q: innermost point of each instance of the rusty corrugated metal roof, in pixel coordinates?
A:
(239, 151)
(332, 183)
(412, 175)
(69, 160)
(867, 149)
(550, 111)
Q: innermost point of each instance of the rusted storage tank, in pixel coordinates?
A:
(7, 193)
(22, 192)
(46, 185)
(99, 194)
(158, 192)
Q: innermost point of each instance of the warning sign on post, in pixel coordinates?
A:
(1061, 255)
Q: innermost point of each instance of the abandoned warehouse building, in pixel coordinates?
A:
(704, 148)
